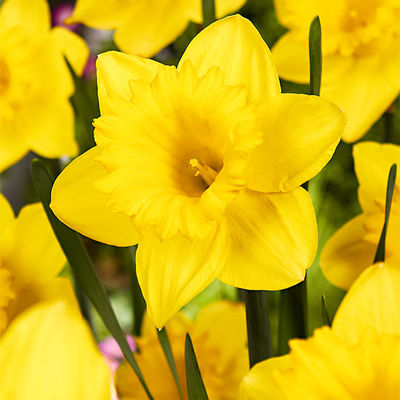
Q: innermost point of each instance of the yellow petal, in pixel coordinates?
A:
(295, 14)
(300, 136)
(51, 128)
(107, 14)
(237, 49)
(115, 70)
(60, 358)
(372, 304)
(73, 47)
(259, 383)
(211, 327)
(36, 255)
(274, 240)
(12, 146)
(347, 253)
(362, 90)
(287, 49)
(7, 231)
(79, 205)
(372, 162)
(172, 271)
(33, 16)
(147, 31)
(222, 8)
(37, 292)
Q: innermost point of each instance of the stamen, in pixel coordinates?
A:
(202, 169)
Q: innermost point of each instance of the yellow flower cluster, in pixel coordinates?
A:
(202, 166)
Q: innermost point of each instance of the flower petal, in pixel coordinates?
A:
(31, 15)
(300, 136)
(362, 90)
(372, 304)
(51, 128)
(273, 240)
(372, 162)
(287, 49)
(259, 383)
(36, 254)
(73, 46)
(115, 70)
(347, 253)
(234, 45)
(79, 205)
(172, 271)
(54, 337)
(147, 31)
(12, 146)
(7, 231)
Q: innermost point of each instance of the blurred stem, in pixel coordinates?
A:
(315, 55)
(209, 16)
(292, 315)
(389, 136)
(138, 303)
(258, 327)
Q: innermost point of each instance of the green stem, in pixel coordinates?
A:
(258, 327)
(208, 7)
(292, 315)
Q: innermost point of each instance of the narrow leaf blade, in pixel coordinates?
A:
(380, 252)
(195, 385)
(315, 56)
(82, 267)
(166, 346)
(326, 320)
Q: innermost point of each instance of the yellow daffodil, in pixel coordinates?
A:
(35, 83)
(30, 259)
(144, 27)
(222, 356)
(359, 358)
(360, 49)
(352, 248)
(48, 353)
(201, 164)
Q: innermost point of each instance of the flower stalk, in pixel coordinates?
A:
(209, 15)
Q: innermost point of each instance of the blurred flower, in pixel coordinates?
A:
(352, 248)
(361, 54)
(202, 166)
(222, 358)
(145, 27)
(49, 353)
(60, 13)
(113, 356)
(35, 83)
(359, 358)
(30, 260)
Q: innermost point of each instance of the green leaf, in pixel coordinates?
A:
(292, 315)
(314, 40)
(82, 267)
(380, 252)
(166, 346)
(258, 327)
(326, 320)
(195, 385)
(208, 12)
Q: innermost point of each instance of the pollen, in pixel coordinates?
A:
(203, 170)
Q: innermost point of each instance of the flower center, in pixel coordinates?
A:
(7, 294)
(4, 77)
(203, 170)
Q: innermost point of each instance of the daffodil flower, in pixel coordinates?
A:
(30, 260)
(352, 248)
(360, 50)
(222, 358)
(49, 353)
(35, 83)
(359, 358)
(144, 27)
(202, 166)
